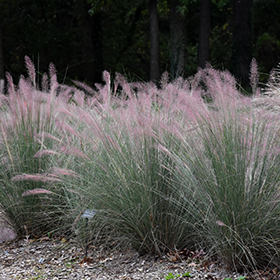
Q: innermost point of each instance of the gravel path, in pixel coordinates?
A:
(64, 259)
(61, 259)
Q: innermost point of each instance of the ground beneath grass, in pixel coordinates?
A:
(59, 258)
(62, 259)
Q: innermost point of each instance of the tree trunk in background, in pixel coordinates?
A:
(204, 33)
(2, 75)
(154, 35)
(241, 53)
(177, 41)
(96, 38)
(91, 43)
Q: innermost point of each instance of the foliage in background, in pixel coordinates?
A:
(86, 37)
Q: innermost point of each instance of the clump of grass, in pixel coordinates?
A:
(126, 173)
(27, 116)
(231, 162)
(192, 163)
(168, 168)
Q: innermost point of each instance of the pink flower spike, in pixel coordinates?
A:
(73, 151)
(31, 70)
(36, 177)
(254, 75)
(163, 149)
(36, 191)
(62, 172)
(48, 136)
(220, 223)
(43, 153)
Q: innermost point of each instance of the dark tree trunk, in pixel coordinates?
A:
(2, 75)
(177, 40)
(96, 39)
(91, 43)
(204, 33)
(154, 33)
(241, 52)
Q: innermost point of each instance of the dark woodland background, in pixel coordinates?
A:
(140, 39)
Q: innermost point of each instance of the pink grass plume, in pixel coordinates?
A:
(36, 177)
(36, 191)
(31, 70)
(43, 153)
(62, 172)
(220, 223)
